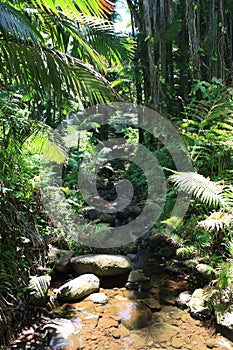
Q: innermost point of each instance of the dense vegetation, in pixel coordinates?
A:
(55, 61)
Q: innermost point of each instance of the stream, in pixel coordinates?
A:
(147, 316)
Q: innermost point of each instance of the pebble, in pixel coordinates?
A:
(177, 343)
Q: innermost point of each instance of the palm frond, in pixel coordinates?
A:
(36, 68)
(209, 192)
(114, 47)
(73, 8)
(95, 41)
(14, 25)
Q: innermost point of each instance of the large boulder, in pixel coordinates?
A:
(78, 288)
(101, 264)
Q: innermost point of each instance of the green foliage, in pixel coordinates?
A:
(206, 128)
(63, 48)
(209, 192)
(38, 288)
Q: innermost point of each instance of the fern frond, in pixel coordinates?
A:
(209, 192)
(38, 288)
(216, 221)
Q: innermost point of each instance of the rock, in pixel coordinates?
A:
(133, 257)
(206, 272)
(129, 213)
(184, 298)
(224, 344)
(133, 315)
(78, 288)
(197, 303)
(177, 343)
(107, 218)
(38, 289)
(58, 330)
(157, 241)
(138, 281)
(138, 341)
(61, 258)
(152, 303)
(167, 251)
(163, 332)
(226, 320)
(204, 268)
(101, 264)
(99, 298)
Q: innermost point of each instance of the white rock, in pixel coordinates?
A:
(184, 298)
(78, 287)
(99, 298)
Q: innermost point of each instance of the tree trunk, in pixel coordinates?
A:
(151, 55)
(194, 46)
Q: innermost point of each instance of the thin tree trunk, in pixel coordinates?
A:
(151, 55)
(191, 20)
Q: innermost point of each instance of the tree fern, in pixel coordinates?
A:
(209, 192)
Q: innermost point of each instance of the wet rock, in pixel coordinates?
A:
(57, 331)
(138, 281)
(197, 303)
(61, 258)
(162, 331)
(152, 303)
(177, 343)
(133, 257)
(101, 264)
(78, 288)
(99, 298)
(133, 315)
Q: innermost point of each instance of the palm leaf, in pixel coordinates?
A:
(42, 70)
(72, 8)
(209, 192)
(14, 24)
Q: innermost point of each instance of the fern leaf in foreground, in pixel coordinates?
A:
(209, 192)
(216, 221)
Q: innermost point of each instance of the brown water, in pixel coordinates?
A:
(115, 325)
(130, 320)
